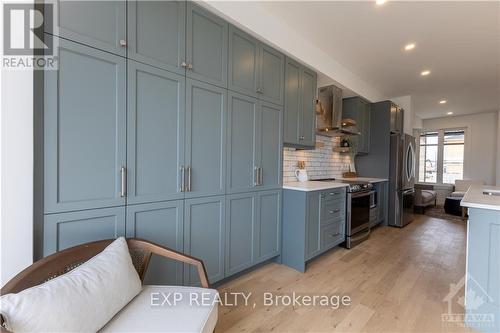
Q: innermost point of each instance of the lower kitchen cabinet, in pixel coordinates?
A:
(204, 237)
(313, 222)
(160, 223)
(252, 229)
(65, 230)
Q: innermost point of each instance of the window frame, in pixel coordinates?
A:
(440, 157)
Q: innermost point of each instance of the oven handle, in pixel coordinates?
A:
(361, 194)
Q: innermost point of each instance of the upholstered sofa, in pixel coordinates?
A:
(83, 277)
(462, 185)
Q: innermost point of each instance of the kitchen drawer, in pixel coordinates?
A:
(333, 195)
(331, 212)
(332, 235)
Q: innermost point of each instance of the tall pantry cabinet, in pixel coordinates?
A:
(156, 128)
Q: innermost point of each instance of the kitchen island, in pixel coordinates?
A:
(482, 282)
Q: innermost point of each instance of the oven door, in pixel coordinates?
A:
(358, 211)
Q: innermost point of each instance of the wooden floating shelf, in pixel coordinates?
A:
(342, 149)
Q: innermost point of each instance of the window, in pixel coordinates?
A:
(441, 155)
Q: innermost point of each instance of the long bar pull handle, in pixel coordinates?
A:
(255, 176)
(183, 178)
(261, 176)
(123, 182)
(189, 179)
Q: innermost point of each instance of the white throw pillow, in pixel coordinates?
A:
(82, 300)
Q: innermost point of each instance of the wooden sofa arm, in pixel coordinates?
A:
(171, 254)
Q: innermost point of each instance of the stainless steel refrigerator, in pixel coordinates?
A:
(401, 179)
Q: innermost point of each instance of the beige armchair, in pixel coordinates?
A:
(462, 185)
(425, 196)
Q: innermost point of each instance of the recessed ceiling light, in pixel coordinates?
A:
(409, 47)
(449, 113)
(443, 101)
(425, 73)
(380, 2)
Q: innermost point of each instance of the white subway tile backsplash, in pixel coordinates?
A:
(322, 162)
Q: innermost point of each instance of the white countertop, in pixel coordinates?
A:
(474, 198)
(311, 185)
(365, 179)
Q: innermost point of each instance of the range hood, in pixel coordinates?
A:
(329, 120)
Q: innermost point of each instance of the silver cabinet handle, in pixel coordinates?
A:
(334, 211)
(183, 178)
(261, 176)
(334, 193)
(189, 179)
(301, 137)
(255, 176)
(123, 42)
(183, 64)
(190, 66)
(333, 235)
(123, 182)
(259, 91)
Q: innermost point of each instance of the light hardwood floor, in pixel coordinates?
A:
(396, 280)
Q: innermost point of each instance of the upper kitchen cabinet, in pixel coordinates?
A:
(271, 78)
(270, 146)
(206, 46)
(205, 139)
(255, 69)
(155, 143)
(156, 33)
(243, 62)
(300, 93)
(85, 130)
(397, 119)
(107, 30)
(358, 109)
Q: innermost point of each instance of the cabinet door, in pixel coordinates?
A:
(243, 115)
(308, 115)
(207, 43)
(100, 24)
(156, 32)
(65, 230)
(270, 146)
(292, 102)
(272, 68)
(204, 231)
(160, 223)
(243, 62)
(313, 225)
(365, 128)
(155, 149)
(85, 129)
(241, 228)
(269, 233)
(205, 139)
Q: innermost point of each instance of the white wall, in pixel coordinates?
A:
(498, 149)
(481, 142)
(251, 17)
(417, 121)
(16, 173)
(406, 103)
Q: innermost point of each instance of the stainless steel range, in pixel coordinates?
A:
(360, 200)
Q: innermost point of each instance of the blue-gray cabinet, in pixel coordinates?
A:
(253, 229)
(163, 224)
(254, 146)
(85, 130)
(269, 234)
(64, 230)
(204, 236)
(205, 139)
(242, 164)
(255, 69)
(206, 46)
(155, 145)
(299, 116)
(157, 33)
(241, 232)
(313, 222)
(359, 109)
(100, 24)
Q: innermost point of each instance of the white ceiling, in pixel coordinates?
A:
(458, 41)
